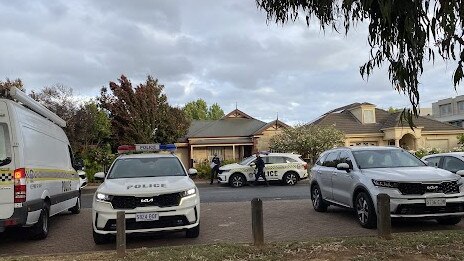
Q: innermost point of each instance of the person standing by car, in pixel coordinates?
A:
(260, 169)
(215, 164)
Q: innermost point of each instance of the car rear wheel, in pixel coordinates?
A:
(77, 208)
(290, 179)
(365, 210)
(449, 220)
(193, 232)
(237, 180)
(316, 197)
(40, 229)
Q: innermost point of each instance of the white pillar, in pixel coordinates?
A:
(233, 152)
(397, 142)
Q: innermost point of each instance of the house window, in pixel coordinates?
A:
(368, 116)
(219, 151)
(445, 109)
(461, 106)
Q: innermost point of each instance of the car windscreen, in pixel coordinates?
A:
(247, 161)
(388, 158)
(146, 167)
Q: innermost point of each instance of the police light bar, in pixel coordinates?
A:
(146, 148)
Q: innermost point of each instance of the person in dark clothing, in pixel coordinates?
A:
(215, 164)
(259, 170)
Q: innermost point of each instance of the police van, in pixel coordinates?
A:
(151, 185)
(288, 168)
(38, 178)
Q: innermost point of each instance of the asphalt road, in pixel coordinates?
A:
(225, 193)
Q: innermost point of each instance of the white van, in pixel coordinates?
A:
(37, 174)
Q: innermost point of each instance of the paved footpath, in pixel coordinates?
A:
(220, 222)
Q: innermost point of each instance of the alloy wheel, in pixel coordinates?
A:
(291, 179)
(362, 209)
(316, 197)
(237, 181)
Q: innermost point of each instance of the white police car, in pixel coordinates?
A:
(286, 167)
(153, 189)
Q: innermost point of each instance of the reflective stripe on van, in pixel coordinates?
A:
(50, 174)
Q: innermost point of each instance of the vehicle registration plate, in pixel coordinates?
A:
(152, 216)
(435, 202)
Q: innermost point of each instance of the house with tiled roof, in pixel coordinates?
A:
(364, 124)
(235, 136)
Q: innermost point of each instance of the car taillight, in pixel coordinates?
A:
(305, 166)
(19, 185)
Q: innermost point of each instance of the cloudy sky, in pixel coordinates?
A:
(221, 51)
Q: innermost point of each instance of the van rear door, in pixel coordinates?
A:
(6, 165)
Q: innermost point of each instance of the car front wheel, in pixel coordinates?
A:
(449, 220)
(193, 232)
(365, 210)
(100, 239)
(316, 197)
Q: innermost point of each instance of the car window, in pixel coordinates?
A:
(386, 158)
(453, 164)
(321, 159)
(146, 167)
(247, 161)
(275, 160)
(290, 160)
(331, 160)
(345, 158)
(433, 161)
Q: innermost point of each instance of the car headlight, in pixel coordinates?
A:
(224, 170)
(460, 182)
(103, 197)
(385, 184)
(189, 192)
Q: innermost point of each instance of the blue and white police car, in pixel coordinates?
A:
(152, 187)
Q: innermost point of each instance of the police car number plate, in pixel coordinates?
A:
(153, 216)
(435, 202)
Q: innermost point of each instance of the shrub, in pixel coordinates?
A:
(204, 170)
(427, 151)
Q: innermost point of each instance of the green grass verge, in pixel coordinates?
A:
(446, 245)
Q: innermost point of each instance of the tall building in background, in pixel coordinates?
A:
(450, 110)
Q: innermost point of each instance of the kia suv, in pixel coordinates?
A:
(353, 177)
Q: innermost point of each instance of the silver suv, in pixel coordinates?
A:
(353, 177)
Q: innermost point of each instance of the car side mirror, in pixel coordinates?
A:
(343, 166)
(252, 164)
(192, 172)
(460, 172)
(99, 176)
(78, 164)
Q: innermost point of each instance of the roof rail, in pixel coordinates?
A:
(35, 106)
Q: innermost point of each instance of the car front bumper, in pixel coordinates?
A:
(414, 206)
(178, 218)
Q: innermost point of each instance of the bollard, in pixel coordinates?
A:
(121, 234)
(257, 221)
(383, 216)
